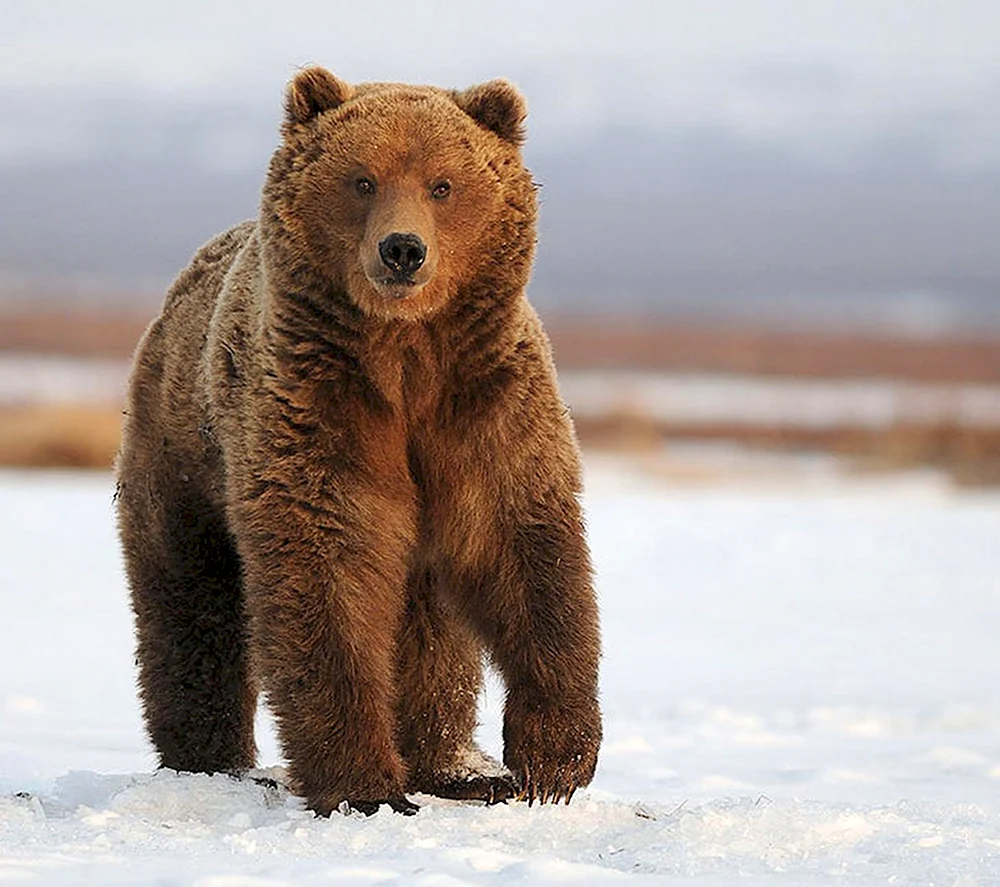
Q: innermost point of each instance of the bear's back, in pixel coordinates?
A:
(171, 346)
(166, 407)
(197, 286)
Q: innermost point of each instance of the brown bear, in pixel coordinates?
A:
(347, 475)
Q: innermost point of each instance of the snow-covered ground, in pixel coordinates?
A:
(801, 687)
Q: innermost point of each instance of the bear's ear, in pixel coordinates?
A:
(498, 106)
(313, 91)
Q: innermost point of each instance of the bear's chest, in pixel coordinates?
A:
(458, 493)
(406, 370)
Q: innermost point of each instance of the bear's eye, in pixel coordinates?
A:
(364, 186)
(441, 190)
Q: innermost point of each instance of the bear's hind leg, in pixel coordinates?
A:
(197, 693)
(439, 674)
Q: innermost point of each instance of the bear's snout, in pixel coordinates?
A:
(398, 263)
(403, 255)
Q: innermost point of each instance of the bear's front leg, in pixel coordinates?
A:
(552, 721)
(325, 568)
(536, 608)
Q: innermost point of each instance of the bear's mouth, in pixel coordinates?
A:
(397, 286)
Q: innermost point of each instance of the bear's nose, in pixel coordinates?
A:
(402, 254)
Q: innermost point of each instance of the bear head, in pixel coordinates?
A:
(401, 197)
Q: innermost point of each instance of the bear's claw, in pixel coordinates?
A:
(474, 776)
(369, 808)
(553, 750)
(545, 793)
(492, 789)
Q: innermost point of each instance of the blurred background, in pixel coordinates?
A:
(768, 229)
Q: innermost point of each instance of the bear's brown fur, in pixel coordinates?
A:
(347, 472)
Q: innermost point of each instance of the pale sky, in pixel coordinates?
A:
(824, 77)
(190, 43)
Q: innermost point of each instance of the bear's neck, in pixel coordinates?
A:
(318, 338)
